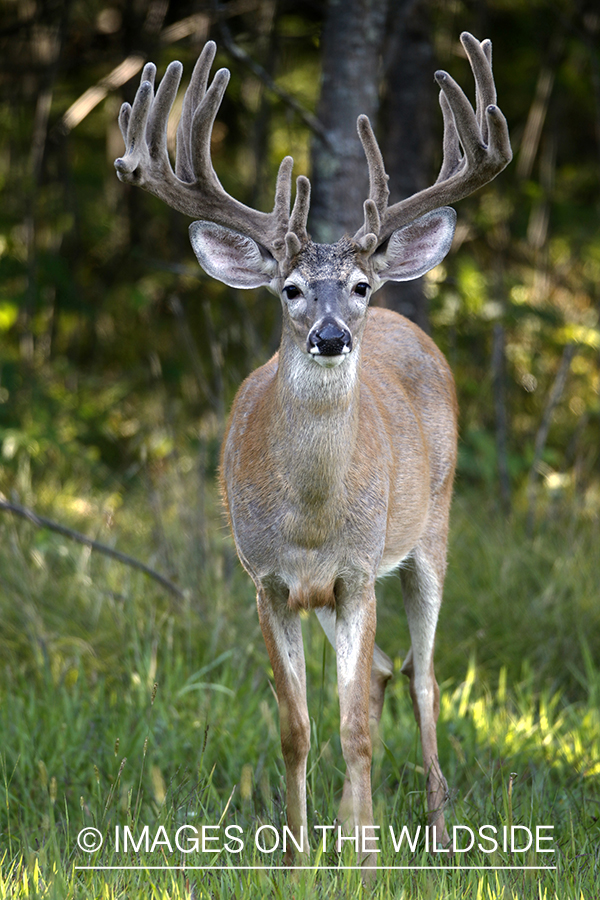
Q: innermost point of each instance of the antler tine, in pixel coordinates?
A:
(194, 187)
(158, 117)
(376, 205)
(378, 179)
(451, 154)
(193, 96)
(486, 46)
(133, 121)
(283, 197)
(297, 235)
(481, 133)
(480, 59)
(124, 116)
(202, 126)
(148, 74)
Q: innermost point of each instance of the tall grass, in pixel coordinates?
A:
(120, 706)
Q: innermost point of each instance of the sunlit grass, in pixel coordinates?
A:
(88, 740)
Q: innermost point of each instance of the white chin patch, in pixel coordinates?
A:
(329, 362)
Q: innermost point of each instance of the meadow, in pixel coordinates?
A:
(124, 707)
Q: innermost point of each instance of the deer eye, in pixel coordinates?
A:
(362, 288)
(291, 291)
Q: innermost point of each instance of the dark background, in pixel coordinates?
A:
(102, 306)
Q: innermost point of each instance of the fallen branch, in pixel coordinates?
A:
(43, 522)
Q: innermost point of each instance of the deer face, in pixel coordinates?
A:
(325, 298)
(325, 288)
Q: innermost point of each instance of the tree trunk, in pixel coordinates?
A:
(408, 107)
(365, 43)
(351, 51)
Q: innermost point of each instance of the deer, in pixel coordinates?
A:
(338, 457)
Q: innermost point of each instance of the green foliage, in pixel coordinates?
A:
(118, 708)
(89, 269)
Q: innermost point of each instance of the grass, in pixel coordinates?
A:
(120, 707)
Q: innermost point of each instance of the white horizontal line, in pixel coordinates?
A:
(185, 868)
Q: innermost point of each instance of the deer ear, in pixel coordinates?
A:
(416, 248)
(231, 257)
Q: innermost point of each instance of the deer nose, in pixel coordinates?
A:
(329, 338)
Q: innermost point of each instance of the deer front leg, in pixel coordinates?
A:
(422, 592)
(283, 636)
(355, 642)
(381, 673)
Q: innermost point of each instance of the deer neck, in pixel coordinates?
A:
(318, 409)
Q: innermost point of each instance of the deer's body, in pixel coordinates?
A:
(339, 455)
(332, 502)
(360, 485)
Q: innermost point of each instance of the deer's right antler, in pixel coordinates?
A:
(476, 148)
(194, 188)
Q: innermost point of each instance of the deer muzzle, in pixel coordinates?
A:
(329, 338)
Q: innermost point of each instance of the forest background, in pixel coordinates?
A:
(119, 360)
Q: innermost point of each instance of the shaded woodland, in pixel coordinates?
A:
(117, 353)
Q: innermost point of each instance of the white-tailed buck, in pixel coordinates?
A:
(339, 455)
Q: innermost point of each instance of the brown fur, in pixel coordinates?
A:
(325, 490)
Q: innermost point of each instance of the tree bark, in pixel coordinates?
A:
(373, 49)
(407, 116)
(351, 51)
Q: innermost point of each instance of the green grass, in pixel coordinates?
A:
(120, 706)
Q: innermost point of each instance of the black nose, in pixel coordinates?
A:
(329, 339)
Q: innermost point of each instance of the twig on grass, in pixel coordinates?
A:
(43, 522)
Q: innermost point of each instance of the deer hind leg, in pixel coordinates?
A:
(422, 593)
(381, 672)
(283, 636)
